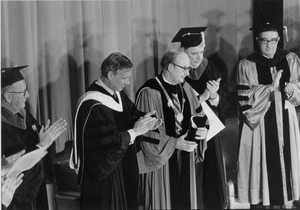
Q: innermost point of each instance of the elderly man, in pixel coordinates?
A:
(166, 156)
(106, 125)
(205, 79)
(268, 91)
(21, 131)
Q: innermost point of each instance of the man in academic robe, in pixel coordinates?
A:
(268, 91)
(106, 125)
(166, 157)
(205, 80)
(21, 131)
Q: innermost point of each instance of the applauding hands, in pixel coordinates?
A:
(146, 123)
(49, 133)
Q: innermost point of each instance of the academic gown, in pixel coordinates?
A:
(20, 132)
(108, 173)
(212, 171)
(168, 175)
(269, 154)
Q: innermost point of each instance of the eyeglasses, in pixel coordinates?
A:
(184, 68)
(24, 92)
(265, 41)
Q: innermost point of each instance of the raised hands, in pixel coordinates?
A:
(49, 133)
(213, 86)
(290, 88)
(146, 123)
(158, 122)
(275, 83)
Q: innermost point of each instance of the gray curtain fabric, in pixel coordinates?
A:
(64, 43)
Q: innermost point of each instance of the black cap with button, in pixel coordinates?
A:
(189, 37)
(11, 75)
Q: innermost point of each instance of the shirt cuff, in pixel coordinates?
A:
(132, 136)
(215, 101)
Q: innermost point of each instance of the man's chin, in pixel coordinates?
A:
(196, 65)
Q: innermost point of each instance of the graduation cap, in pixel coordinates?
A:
(11, 75)
(267, 26)
(189, 37)
(259, 28)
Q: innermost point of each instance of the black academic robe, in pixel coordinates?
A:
(109, 173)
(212, 169)
(14, 139)
(3, 207)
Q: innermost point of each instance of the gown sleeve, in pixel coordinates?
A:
(294, 64)
(156, 147)
(254, 98)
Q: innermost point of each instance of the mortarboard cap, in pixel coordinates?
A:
(189, 37)
(11, 75)
(259, 28)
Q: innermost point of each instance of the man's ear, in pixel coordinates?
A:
(169, 68)
(110, 75)
(257, 40)
(6, 97)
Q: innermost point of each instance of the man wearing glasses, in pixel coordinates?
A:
(205, 80)
(166, 156)
(20, 132)
(268, 92)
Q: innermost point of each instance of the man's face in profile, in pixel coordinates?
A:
(18, 95)
(121, 79)
(195, 54)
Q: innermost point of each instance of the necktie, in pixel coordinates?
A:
(115, 97)
(177, 110)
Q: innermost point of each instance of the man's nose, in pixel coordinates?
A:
(200, 55)
(187, 73)
(27, 94)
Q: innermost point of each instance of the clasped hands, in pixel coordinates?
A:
(190, 146)
(211, 91)
(146, 123)
(289, 86)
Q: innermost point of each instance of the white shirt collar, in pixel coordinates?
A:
(100, 83)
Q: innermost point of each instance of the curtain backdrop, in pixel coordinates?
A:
(65, 42)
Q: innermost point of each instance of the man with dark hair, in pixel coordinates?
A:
(268, 92)
(21, 131)
(166, 156)
(106, 125)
